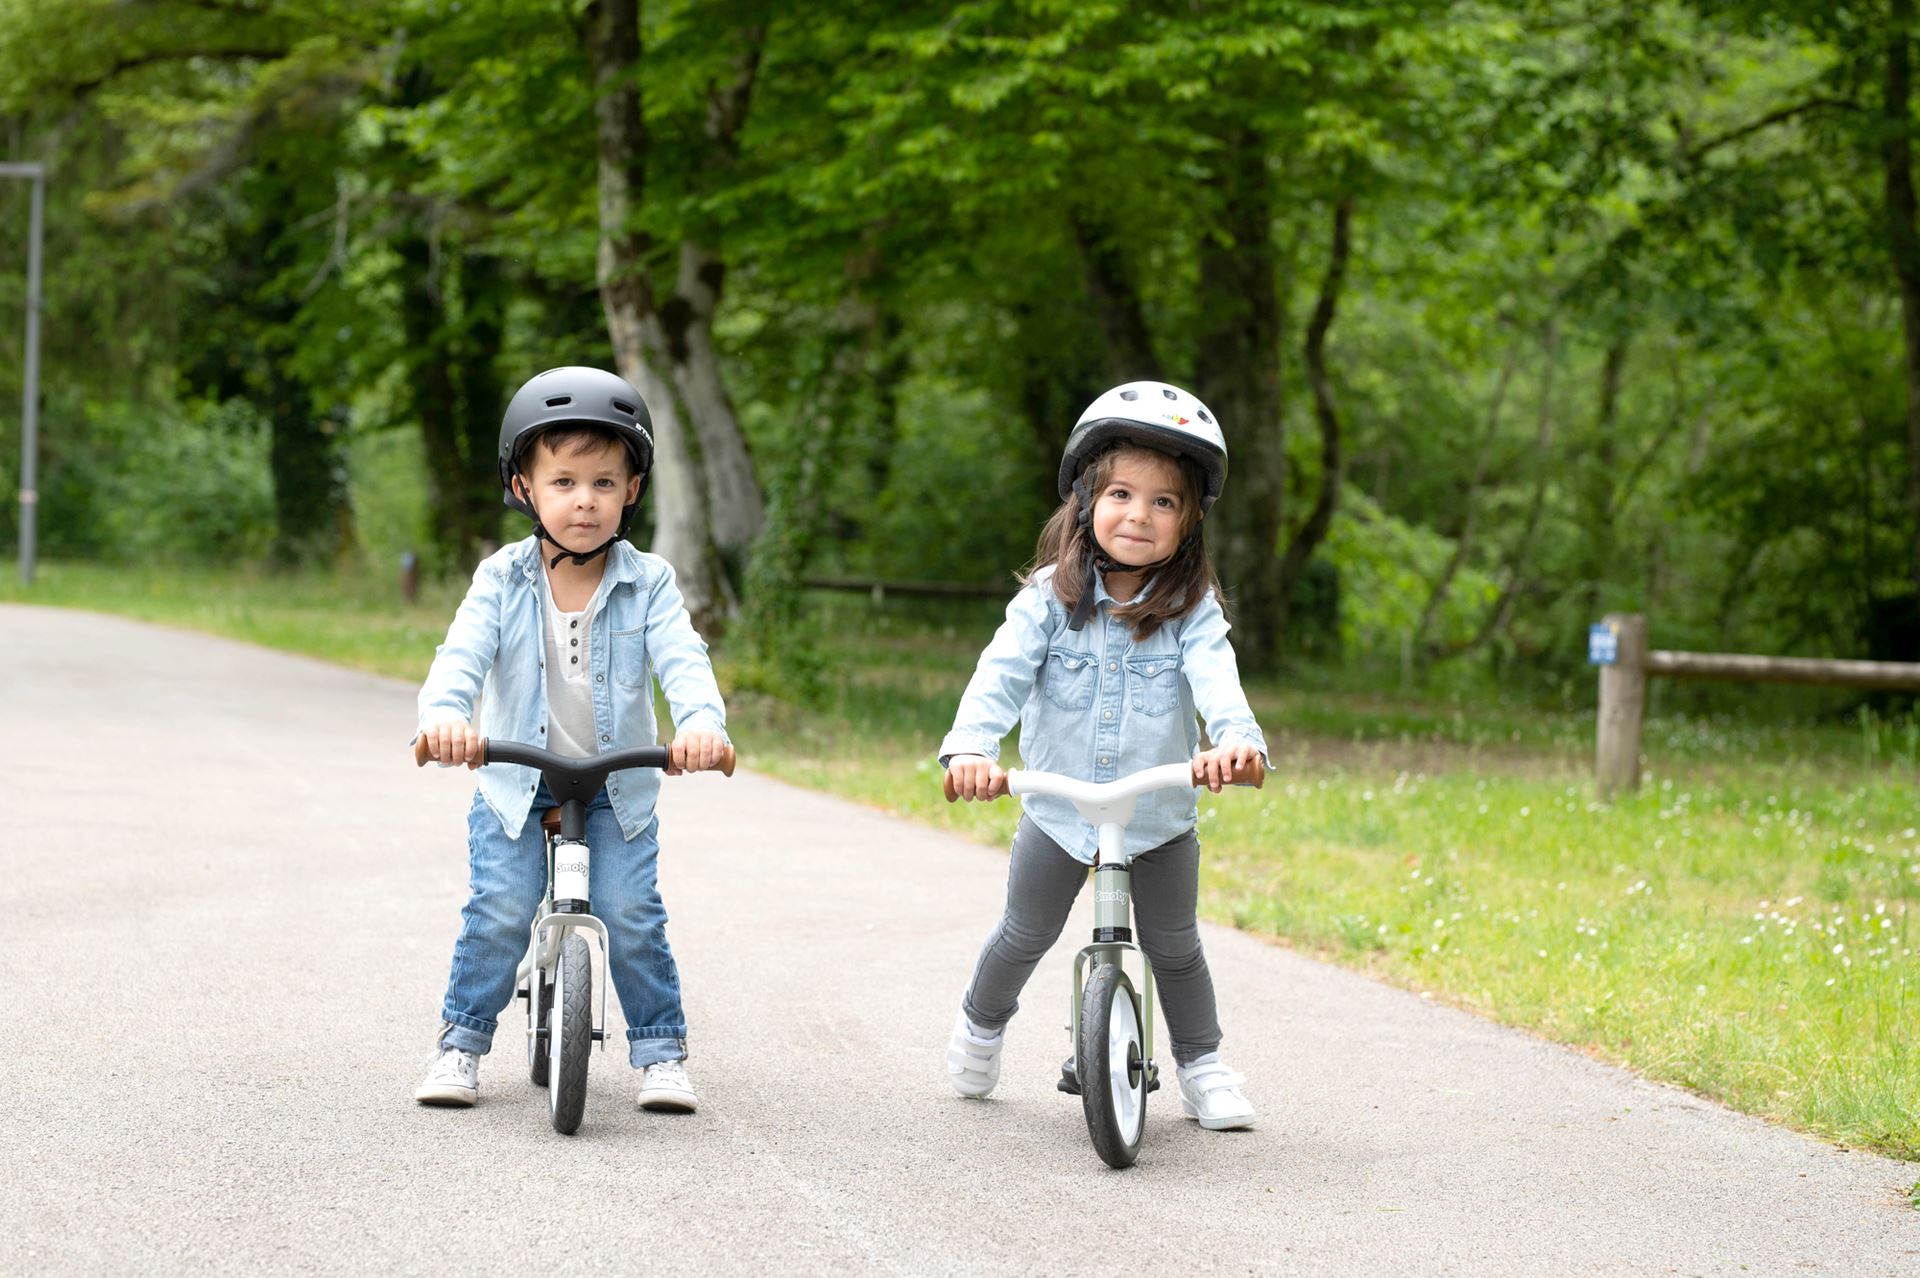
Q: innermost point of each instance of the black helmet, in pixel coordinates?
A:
(575, 396)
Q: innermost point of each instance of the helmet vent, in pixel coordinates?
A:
(1203, 417)
(1169, 392)
(1129, 394)
(559, 401)
(625, 408)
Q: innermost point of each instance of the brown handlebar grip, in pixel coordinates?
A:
(1257, 777)
(726, 763)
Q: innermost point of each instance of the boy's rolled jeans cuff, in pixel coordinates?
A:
(466, 1033)
(651, 1046)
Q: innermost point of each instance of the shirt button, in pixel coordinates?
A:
(605, 738)
(1105, 760)
(575, 643)
(1113, 665)
(573, 625)
(1106, 714)
(599, 679)
(574, 660)
(543, 733)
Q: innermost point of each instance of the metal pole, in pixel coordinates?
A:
(30, 388)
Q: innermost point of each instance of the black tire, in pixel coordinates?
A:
(1110, 1065)
(540, 1011)
(572, 1037)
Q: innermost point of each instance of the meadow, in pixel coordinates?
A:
(1743, 926)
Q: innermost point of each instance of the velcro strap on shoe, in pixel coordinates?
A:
(1214, 1078)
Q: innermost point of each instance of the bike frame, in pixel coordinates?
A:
(1109, 806)
(569, 861)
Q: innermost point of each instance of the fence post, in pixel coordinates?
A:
(1623, 695)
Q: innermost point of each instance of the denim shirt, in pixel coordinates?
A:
(1098, 704)
(640, 632)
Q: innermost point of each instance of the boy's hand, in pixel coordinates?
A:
(695, 750)
(1223, 765)
(974, 776)
(453, 742)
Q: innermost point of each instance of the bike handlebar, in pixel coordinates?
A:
(1166, 777)
(547, 761)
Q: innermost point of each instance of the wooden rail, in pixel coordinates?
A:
(1623, 688)
(879, 587)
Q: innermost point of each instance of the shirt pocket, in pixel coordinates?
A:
(629, 657)
(1153, 683)
(1071, 678)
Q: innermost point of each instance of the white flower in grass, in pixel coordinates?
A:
(1838, 948)
(1829, 980)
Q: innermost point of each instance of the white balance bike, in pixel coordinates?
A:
(556, 975)
(1112, 1067)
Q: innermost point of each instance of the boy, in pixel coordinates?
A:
(567, 645)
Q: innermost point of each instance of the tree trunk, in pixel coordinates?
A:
(1470, 509)
(1116, 303)
(734, 503)
(612, 34)
(1523, 545)
(1332, 468)
(1238, 375)
(1601, 484)
(1903, 239)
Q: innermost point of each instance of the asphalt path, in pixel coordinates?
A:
(227, 906)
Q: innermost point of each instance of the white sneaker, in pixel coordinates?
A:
(665, 1086)
(453, 1079)
(973, 1063)
(1210, 1092)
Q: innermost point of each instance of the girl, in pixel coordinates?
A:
(1115, 642)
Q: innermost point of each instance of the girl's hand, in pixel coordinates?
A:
(695, 750)
(974, 776)
(453, 742)
(1223, 765)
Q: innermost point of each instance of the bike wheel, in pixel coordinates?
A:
(572, 1034)
(1111, 1067)
(540, 1012)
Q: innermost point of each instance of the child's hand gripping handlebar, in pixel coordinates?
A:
(533, 756)
(1251, 772)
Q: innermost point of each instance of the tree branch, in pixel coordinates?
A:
(1698, 152)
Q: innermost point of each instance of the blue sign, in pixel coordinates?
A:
(1603, 645)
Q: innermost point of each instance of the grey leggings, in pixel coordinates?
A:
(1042, 881)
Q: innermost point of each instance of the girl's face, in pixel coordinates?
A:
(1140, 512)
(580, 492)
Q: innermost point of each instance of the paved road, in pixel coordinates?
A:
(226, 942)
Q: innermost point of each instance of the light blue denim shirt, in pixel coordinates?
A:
(640, 632)
(1097, 704)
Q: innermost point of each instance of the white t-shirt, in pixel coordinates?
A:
(569, 685)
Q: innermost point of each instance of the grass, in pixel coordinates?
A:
(1744, 926)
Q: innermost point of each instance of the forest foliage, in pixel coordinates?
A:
(1515, 313)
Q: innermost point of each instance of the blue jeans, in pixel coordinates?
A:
(508, 881)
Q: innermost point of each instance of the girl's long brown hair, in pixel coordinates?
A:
(1177, 587)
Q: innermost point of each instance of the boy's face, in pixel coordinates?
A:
(579, 491)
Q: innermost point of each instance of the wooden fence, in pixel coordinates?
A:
(1623, 687)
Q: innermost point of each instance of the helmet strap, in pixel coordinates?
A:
(541, 533)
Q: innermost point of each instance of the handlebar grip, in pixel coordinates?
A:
(1258, 778)
(726, 763)
(423, 753)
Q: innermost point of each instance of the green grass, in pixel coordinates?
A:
(1744, 926)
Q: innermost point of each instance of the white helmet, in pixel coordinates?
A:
(1155, 415)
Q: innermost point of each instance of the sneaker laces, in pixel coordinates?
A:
(673, 1073)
